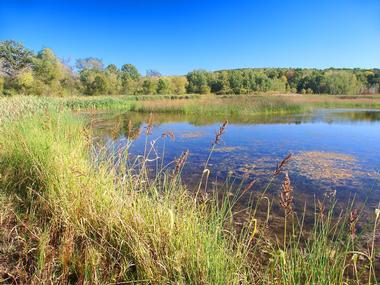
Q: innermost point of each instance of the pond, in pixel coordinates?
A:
(333, 151)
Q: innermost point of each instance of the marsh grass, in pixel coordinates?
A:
(211, 105)
(101, 226)
(69, 217)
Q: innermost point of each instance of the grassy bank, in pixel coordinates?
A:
(69, 218)
(86, 224)
(207, 105)
(211, 105)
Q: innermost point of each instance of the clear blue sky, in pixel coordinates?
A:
(176, 36)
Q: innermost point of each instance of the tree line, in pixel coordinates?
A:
(23, 71)
(285, 80)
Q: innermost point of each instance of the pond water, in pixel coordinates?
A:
(332, 150)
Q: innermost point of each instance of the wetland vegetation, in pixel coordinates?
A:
(125, 186)
(69, 216)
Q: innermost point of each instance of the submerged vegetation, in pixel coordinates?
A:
(68, 217)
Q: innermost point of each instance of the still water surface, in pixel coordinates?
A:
(332, 150)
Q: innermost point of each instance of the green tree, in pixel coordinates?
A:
(163, 86)
(113, 79)
(129, 71)
(149, 86)
(99, 85)
(178, 84)
(25, 82)
(14, 58)
(218, 82)
(49, 70)
(129, 77)
(235, 79)
(198, 82)
(341, 82)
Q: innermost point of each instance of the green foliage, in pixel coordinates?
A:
(95, 82)
(129, 71)
(305, 81)
(14, 58)
(198, 82)
(25, 81)
(178, 84)
(49, 71)
(129, 77)
(149, 86)
(163, 86)
(44, 74)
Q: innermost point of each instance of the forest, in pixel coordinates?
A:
(25, 72)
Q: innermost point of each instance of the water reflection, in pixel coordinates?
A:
(333, 150)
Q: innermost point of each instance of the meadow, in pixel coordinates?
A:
(68, 217)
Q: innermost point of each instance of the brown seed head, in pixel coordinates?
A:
(132, 133)
(353, 220)
(180, 162)
(168, 134)
(149, 125)
(286, 196)
(220, 132)
(248, 187)
(282, 164)
(321, 208)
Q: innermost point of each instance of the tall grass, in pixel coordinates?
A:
(70, 218)
(215, 106)
(89, 224)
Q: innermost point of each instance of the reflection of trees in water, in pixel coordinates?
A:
(138, 119)
(110, 124)
(313, 171)
(365, 116)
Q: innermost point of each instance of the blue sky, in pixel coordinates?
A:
(176, 36)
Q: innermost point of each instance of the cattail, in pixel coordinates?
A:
(220, 132)
(286, 196)
(180, 162)
(353, 219)
(149, 125)
(282, 164)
